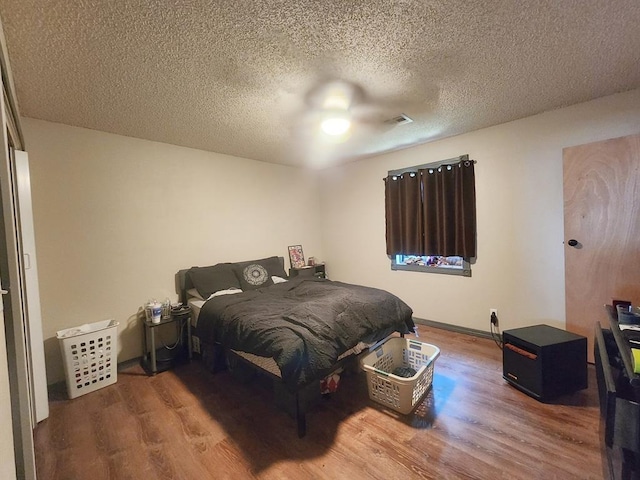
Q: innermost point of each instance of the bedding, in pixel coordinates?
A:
(267, 364)
(304, 324)
(196, 303)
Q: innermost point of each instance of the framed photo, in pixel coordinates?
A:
(296, 257)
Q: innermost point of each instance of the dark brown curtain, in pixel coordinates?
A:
(432, 212)
(449, 210)
(403, 214)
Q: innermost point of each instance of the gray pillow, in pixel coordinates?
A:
(208, 280)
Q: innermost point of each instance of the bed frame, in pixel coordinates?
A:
(296, 404)
(217, 357)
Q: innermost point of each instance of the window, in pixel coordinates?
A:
(453, 265)
(431, 217)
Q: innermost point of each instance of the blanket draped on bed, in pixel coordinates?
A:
(304, 324)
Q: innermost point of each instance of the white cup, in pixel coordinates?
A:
(156, 312)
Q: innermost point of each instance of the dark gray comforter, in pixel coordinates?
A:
(304, 324)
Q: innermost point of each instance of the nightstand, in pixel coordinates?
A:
(156, 359)
(317, 270)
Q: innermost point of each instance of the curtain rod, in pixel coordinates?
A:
(449, 161)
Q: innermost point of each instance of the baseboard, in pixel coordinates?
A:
(132, 362)
(453, 328)
(61, 386)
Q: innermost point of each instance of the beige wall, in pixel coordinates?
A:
(117, 217)
(520, 262)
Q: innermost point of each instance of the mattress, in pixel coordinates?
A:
(195, 304)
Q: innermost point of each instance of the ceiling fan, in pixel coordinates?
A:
(337, 109)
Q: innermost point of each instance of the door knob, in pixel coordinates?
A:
(573, 242)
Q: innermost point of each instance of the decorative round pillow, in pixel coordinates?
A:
(255, 274)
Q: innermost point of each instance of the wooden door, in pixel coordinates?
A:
(602, 213)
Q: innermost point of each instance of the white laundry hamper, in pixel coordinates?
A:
(89, 355)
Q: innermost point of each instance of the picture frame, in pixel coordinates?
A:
(296, 256)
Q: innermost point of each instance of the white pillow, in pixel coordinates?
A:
(278, 279)
(192, 292)
(229, 291)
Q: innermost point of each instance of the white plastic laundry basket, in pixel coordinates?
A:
(400, 393)
(89, 354)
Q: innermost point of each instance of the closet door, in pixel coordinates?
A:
(7, 445)
(15, 320)
(35, 358)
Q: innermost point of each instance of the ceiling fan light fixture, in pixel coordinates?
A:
(335, 125)
(337, 98)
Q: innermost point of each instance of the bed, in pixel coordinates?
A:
(298, 331)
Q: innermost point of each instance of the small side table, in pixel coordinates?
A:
(544, 362)
(150, 358)
(317, 270)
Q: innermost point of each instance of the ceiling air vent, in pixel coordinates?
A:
(399, 120)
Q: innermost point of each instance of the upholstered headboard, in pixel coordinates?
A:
(182, 285)
(183, 281)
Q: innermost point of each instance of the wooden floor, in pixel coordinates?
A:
(190, 424)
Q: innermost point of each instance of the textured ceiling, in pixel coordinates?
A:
(235, 76)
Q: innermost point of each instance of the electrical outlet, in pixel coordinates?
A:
(493, 315)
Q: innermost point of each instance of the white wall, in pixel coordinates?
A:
(520, 261)
(116, 218)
